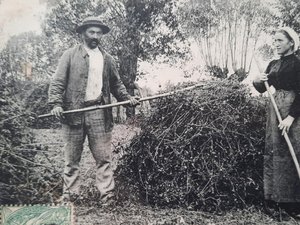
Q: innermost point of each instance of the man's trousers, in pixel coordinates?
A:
(100, 146)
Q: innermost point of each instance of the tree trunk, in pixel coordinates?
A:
(128, 56)
(128, 70)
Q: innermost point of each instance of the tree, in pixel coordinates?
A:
(145, 30)
(290, 13)
(226, 32)
(26, 56)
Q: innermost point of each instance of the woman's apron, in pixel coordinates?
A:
(281, 181)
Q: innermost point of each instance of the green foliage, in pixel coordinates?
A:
(290, 13)
(20, 182)
(12, 114)
(28, 56)
(157, 26)
(199, 150)
(149, 30)
(218, 72)
(37, 101)
(239, 75)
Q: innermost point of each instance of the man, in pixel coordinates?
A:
(85, 76)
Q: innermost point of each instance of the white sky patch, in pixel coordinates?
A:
(18, 16)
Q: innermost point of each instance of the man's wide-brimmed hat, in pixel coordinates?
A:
(92, 21)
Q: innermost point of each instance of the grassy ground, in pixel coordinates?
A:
(90, 212)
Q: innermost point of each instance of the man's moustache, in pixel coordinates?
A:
(95, 40)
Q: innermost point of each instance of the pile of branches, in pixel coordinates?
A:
(21, 178)
(202, 149)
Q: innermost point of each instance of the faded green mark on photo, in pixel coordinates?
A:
(36, 215)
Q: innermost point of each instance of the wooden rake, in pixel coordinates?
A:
(121, 103)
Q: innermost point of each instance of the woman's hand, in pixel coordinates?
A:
(286, 124)
(261, 78)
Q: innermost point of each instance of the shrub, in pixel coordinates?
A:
(21, 180)
(217, 71)
(37, 101)
(200, 150)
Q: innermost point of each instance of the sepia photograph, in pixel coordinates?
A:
(149, 112)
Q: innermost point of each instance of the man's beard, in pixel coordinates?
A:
(93, 43)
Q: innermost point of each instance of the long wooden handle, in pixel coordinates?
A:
(285, 135)
(120, 103)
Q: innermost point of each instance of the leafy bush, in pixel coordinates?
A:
(217, 71)
(21, 180)
(37, 101)
(200, 150)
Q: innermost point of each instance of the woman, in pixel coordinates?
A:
(281, 182)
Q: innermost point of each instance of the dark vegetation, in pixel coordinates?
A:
(200, 150)
(21, 176)
(37, 102)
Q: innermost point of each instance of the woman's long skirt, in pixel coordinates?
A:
(281, 181)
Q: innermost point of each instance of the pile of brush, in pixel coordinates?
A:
(201, 149)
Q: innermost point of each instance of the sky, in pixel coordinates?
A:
(17, 16)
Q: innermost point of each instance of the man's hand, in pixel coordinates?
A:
(134, 101)
(286, 124)
(57, 111)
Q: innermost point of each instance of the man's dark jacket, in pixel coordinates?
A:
(68, 87)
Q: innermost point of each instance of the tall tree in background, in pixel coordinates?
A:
(26, 56)
(144, 30)
(290, 13)
(226, 32)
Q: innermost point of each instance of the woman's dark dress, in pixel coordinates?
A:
(281, 181)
